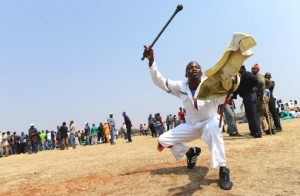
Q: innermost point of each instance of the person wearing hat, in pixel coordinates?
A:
(112, 124)
(247, 91)
(272, 102)
(32, 139)
(260, 104)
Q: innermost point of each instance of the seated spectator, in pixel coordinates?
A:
(297, 113)
(284, 115)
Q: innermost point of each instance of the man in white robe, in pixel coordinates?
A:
(202, 120)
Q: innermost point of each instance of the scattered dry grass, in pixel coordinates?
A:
(266, 166)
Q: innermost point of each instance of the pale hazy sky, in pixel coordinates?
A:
(63, 60)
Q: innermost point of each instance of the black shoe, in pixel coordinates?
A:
(191, 157)
(224, 181)
(258, 135)
(278, 129)
(268, 132)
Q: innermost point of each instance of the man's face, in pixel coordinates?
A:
(242, 68)
(268, 76)
(254, 71)
(193, 71)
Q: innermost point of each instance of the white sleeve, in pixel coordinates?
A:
(167, 85)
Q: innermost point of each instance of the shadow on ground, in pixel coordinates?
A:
(196, 177)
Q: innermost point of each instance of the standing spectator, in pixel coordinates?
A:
(272, 102)
(43, 139)
(22, 143)
(87, 132)
(112, 124)
(94, 131)
(158, 124)
(181, 115)
(246, 90)
(72, 130)
(64, 136)
(1, 149)
(53, 139)
(59, 138)
(124, 131)
(100, 133)
(168, 121)
(38, 141)
(79, 137)
(230, 118)
(17, 143)
(32, 140)
(48, 140)
(171, 122)
(146, 129)
(260, 88)
(82, 136)
(128, 124)
(176, 121)
(151, 122)
(117, 134)
(162, 127)
(106, 132)
(142, 130)
(5, 144)
(14, 143)
(10, 142)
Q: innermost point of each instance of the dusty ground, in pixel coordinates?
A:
(267, 166)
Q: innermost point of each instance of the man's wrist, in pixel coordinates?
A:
(151, 61)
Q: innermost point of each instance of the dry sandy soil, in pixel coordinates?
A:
(266, 166)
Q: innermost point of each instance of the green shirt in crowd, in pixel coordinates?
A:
(43, 136)
(94, 130)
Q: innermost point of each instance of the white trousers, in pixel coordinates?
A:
(208, 131)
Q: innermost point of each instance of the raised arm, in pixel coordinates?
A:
(167, 85)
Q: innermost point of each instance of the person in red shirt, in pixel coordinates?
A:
(181, 115)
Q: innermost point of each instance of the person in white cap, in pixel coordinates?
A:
(32, 139)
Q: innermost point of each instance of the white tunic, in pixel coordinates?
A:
(202, 122)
